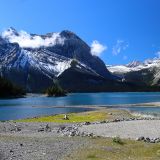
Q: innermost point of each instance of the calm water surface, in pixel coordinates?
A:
(26, 107)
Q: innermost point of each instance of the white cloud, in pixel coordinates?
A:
(120, 46)
(25, 40)
(97, 48)
(158, 54)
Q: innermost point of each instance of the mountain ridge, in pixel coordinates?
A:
(34, 61)
(24, 57)
(147, 72)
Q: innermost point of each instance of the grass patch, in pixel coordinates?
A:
(106, 149)
(73, 117)
(92, 156)
(91, 116)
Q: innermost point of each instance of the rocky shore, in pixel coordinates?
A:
(140, 129)
(39, 129)
(36, 141)
(53, 141)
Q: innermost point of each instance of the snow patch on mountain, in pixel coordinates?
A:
(119, 69)
(135, 66)
(49, 63)
(26, 40)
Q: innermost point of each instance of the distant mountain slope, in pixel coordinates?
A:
(33, 61)
(146, 73)
(79, 79)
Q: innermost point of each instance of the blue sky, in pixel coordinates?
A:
(129, 29)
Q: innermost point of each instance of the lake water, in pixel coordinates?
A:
(29, 107)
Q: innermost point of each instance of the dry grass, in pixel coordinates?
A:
(106, 149)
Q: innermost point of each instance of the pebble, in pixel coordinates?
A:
(140, 138)
(21, 144)
(87, 123)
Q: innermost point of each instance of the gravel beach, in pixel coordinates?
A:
(55, 141)
(28, 141)
(125, 129)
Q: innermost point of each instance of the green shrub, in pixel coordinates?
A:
(56, 90)
(92, 156)
(117, 140)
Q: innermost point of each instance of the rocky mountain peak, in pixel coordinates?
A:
(67, 33)
(26, 58)
(134, 64)
(12, 31)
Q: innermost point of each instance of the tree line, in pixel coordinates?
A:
(9, 90)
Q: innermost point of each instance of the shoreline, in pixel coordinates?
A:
(116, 107)
(119, 107)
(48, 140)
(149, 104)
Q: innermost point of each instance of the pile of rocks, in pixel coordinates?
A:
(45, 129)
(10, 127)
(148, 140)
(121, 120)
(72, 131)
(15, 128)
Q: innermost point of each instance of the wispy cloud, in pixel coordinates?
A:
(119, 47)
(158, 54)
(25, 40)
(97, 48)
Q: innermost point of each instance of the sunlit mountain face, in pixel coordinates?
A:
(33, 61)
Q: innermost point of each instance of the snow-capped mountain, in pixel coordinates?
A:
(147, 72)
(134, 64)
(33, 61)
(122, 69)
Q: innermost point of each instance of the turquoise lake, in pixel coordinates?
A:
(36, 105)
